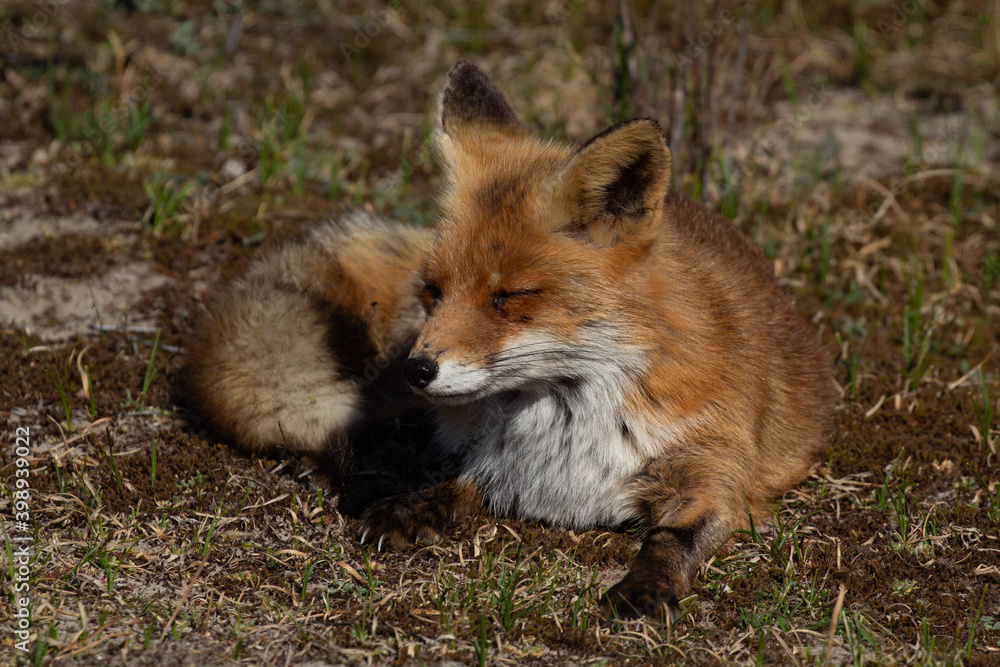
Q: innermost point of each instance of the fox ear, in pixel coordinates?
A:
(614, 186)
(471, 116)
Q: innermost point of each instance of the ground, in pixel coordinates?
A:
(149, 148)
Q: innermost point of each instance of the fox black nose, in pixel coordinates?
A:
(420, 371)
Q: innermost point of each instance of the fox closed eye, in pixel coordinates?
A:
(430, 295)
(501, 297)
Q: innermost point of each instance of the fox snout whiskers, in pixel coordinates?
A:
(449, 381)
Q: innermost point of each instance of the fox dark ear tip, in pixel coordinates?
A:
(470, 97)
(651, 121)
(464, 69)
(460, 65)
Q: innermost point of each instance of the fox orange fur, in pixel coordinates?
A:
(596, 348)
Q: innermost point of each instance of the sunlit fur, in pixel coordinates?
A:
(645, 364)
(603, 350)
(645, 330)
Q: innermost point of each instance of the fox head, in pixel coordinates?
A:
(537, 250)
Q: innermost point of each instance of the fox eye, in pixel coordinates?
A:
(501, 297)
(430, 295)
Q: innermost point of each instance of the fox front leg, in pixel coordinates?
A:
(661, 572)
(421, 517)
(688, 521)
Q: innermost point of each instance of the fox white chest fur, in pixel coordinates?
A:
(559, 458)
(564, 456)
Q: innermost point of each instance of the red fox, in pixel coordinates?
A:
(597, 349)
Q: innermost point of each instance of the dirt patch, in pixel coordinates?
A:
(850, 136)
(74, 256)
(55, 309)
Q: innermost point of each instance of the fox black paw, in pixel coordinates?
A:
(636, 596)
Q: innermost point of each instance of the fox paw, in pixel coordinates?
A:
(404, 520)
(637, 595)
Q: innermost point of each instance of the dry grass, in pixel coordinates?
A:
(145, 152)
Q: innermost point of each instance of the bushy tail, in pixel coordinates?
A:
(270, 362)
